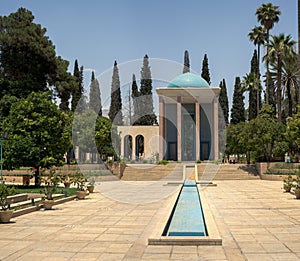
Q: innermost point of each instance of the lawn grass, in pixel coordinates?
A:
(19, 189)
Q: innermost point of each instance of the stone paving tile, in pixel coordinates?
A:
(184, 256)
(87, 257)
(118, 248)
(109, 257)
(211, 253)
(275, 248)
(33, 256)
(265, 238)
(285, 256)
(294, 245)
(158, 249)
(184, 249)
(244, 238)
(156, 256)
(258, 257)
(60, 255)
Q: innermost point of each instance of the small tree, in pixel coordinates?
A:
(238, 106)
(146, 99)
(205, 70)
(267, 135)
(115, 109)
(95, 96)
(78, 89)
(293, 128)
(135, 94)
(223, 100)
(186, 65)
(106, 138)
(38, 134)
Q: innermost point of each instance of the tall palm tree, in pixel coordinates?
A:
(290, 73)
(258, 36)
(268, 15)
(279, 47)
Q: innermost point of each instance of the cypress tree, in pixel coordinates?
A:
(271, 92)
(115, 108)
(205, 70)
(223, 100)
(95, 96)
(238, 106)
(78, 88)
(82, 102)
(186, 65)
(253, 92)
(135, 94)
(146, 100)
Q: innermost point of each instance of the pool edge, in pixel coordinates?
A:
(213, 237)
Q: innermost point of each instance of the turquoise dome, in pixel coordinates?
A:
(188, 80)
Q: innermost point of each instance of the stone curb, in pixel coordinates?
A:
(24, 211)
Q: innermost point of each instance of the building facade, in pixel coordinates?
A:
(188, 124)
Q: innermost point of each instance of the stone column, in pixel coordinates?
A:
(161, 128)
(76, 152)
(179, 128)
(216, 128)
(122, 144)
(197, 109)
(133, 148)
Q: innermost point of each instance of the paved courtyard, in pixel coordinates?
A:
(256, 220)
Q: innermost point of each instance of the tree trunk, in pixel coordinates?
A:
(289, 94)
(248, 157)
(279, 90)
(299, 36)
(69, 157)
(267, 73)
(37, 177)
(258, 78)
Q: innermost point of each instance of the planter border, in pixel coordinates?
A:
(30, 209)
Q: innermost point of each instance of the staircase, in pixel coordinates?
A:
(147, 172)
(226, 172)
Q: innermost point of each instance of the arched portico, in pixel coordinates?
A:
(139, 141)
(128, 146)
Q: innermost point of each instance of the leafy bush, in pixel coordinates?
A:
(5, 191)
(164, 162)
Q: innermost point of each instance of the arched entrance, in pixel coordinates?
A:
(139, 148)
(128, 146)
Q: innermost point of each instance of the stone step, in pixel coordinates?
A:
(154, 172)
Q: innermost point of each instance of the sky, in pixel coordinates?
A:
(99, 32)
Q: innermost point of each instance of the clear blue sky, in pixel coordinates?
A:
(99, 32)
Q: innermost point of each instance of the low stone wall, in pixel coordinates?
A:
(272, 177)
(263, 167)
(116, 168)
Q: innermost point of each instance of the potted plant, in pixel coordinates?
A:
(80, 180)
(51, 180)
(67, 180)
(288, 183)
(297, 186)
(91, 185)
(5, 213)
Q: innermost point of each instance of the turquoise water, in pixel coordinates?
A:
(187, 216)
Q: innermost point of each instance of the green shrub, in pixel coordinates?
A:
(5, 191)
(164, 162)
